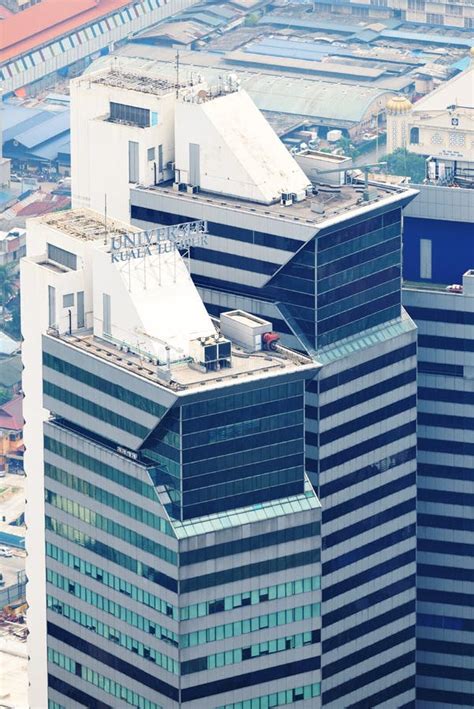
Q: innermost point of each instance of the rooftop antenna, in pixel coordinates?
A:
(177, 72)
(105, 221)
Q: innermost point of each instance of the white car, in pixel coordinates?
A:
(5, 551)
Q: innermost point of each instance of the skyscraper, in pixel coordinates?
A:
(445, 492)
(182, 537)
(323, 264)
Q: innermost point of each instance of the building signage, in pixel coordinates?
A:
(157, 241)
(125, 451)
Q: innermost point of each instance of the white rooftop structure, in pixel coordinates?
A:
(458, 93)
(154, 303)
(223, 144)
(141, 293)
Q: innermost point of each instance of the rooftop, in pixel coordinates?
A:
(183, 377)
(11, 414)
(292, 95)
(329, 201)
(23, 31)
(142, 82)
(85, 225)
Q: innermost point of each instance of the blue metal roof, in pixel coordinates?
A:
(461, 64)
(444, 40)
(50, 150)
(12, 540)
(57, 125)
(311, 51)
(17, 119)
(289, 21)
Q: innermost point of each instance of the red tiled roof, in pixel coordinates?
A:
(36, 209)
(11, 414)
(48, 20)
(5, 12)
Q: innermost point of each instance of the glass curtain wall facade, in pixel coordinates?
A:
(445, 663)
(336, 294)
(171, 582)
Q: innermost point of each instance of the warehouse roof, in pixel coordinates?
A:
(294, 96)
(47, 130)
(429, 38)
(26, 30)
(319, 99)
(16, 119)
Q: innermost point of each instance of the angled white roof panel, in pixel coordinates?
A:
(459, 91)
(240, 154)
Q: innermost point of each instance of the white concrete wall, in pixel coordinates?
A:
(240, 154)
(99, 149)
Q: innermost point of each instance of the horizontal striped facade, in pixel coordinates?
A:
(360, 418)
(367, 487)
(445, 632)
(144, 615)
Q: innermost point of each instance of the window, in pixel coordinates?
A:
(80, 310)
(433, 18)
(133, 166)
(106, 324)
(160, 158)
(68, 300)
(65, 258)
(51, 306)
(414, 136)
(454, 10)
(425, 258)
(150, 154)
(130, 115)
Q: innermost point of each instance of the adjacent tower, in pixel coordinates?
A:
(176, 559)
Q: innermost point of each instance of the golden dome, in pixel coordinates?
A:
(398, 104)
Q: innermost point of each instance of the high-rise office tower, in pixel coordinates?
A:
(445, 668)
(438, 251)
(323, 264)
(175, 561)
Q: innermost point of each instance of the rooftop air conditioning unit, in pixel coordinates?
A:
(286, 199)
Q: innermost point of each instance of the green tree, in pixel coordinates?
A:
(402, 162)
(252, 19)
(8, 278)
(13, 326)
(348, 148)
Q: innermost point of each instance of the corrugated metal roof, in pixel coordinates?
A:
(426, 37)
(461, 64)
(226, 12)
(49, 20)
(50, 150)
(34, 20)
(315, 24)
(315, 99)
(300, 50)
(302, 97)
(289, 63)
(16, 119)
(205, 17)
(57, 125)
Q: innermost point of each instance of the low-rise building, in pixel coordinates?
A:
(439, 126)
(11, 433)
